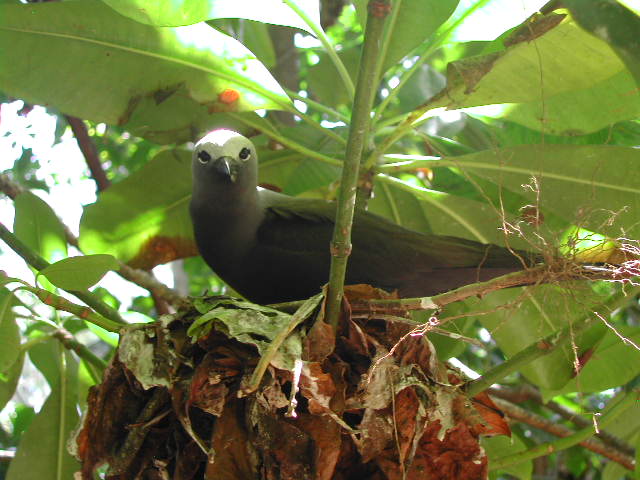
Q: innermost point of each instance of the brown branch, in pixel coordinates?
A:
(564, 271)
(517, 413)
(527, 392)
(90, 152)
(145, 280)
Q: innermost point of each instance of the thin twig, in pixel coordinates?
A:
(70, 343)
(90, 152)
(358, 132)
(139, 277)
(520, 414)
(39, 263)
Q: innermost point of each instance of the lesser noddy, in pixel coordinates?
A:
(273, 248)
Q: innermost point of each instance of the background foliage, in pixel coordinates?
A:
(496, 120)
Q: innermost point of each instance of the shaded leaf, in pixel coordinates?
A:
(47, 436)
(37, 225)
(418, 208)
(170, 13)
(322, 77)
(9, 331)
(80, 273)
(587, 185)
(519, 317)
(613, 362)
(144, 226)
(614, 24)
(500, 446)
(9, 381)
(160, 83)
(252, 324)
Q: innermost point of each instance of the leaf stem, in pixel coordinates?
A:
(317, 30)
(358, 132)
(39, 263)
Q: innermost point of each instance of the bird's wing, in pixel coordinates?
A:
(376, 236)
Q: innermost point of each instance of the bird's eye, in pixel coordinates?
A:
(244, 153)
(203, 156)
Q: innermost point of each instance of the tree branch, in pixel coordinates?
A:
(520, 414)
(139, 277)
(90, 152)
(526, 392)
(569, 441)
(358, 132)
(39, 263)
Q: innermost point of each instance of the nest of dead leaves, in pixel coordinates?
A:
(231, 390)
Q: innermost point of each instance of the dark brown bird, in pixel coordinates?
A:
(273, 248)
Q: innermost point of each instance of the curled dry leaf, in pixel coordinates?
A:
(374, 401)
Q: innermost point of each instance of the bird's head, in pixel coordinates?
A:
(224, 157)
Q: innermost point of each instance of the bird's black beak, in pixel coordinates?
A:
(226, 167)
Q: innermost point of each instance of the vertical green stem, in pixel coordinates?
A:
(358, 132)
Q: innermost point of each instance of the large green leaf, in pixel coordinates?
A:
(37, 225)
(502, 445)
(588, 185)
(171, 13)
(614, 24)
(613, 362)
(46, 438)
(520, 317)
(552, 76)
(164, 84)
(79, 273)
(475, 20)
(418, 208)
(144, 219)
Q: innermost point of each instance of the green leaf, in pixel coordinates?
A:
(42, 452)
(38, 227)
(551, 70)
(410, 23)
(251, 324)
(45, 356)
(614, 362)
(9, 381)
(418, 208)
(614, 24)
(536, 312)
(171, 13)
(160, 83)
(501, 446)
(585, 184)
(475, 20)
(80, 273)
(9, 331)
(322, 77)
(140, 225)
